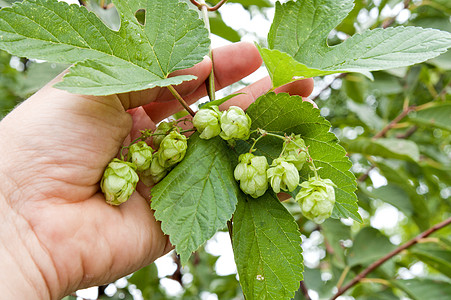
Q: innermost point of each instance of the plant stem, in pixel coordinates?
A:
(210, 83)
(180, 99)
(230, 228)
(395, 121)
(389, 22)
(201, 3)
(304, 290)
(398, 250)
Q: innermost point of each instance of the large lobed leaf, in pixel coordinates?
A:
(267, 248)
(197, 197)
(289, 114)
(298, 35)
(106, 61)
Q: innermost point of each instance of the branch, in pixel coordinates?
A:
(389, 22)
(379, 262)
(209, 8)
(395, 121)
(304, 290)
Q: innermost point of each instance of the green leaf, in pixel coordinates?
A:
(437, 116)
(334, 232)
(289, 114)
(221, 29)
(300, 30)
(108, 15)
(421, 289)
(197, 197)
(282, 68)
(369, 245)
(396, 196)
(107, 62)
(267, 247)
(386, 147)
(435, 256)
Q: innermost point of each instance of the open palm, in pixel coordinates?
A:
(55, 147)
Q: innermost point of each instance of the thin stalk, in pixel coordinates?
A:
(382, 260)
(181, 100)
(210, 83)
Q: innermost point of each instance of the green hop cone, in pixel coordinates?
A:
(283, 175)
(206, 122)
(140, 155)
(172, 149)
(251, 173)
(235, 124)
(295, 152)
(162, 130)
(155, 173)
(317, 199)
(119, 181)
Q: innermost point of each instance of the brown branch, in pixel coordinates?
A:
(389, 22)
(217, 6)
(408, 133)
(304, 290)
(398, 250)
(395, 121)
(209, 8)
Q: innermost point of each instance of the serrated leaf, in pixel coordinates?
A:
(437, 116)
(300, 30)
(107, 62)
(283, 68)
(193, 205)
(386, 147)
(289, 114)
(267, 247)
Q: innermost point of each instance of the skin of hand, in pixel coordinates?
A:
(58, 235)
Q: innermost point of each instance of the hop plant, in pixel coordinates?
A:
(162, 130)
(251, 173)
(119, 181)
(207, 122)
(172, 149)
(283, 175)
(295, 152)
(155, 173)
(140, 155)
(235, 124)
(317, 199)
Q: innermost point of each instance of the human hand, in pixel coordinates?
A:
(58, 234)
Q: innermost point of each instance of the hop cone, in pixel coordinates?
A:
(172, 149)
(206, 122)
(119, 181)
(235, 124)
(251, 173)
(162, 130)
(140, 155)
(317, 199)
(283, 175)
(295, 152)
